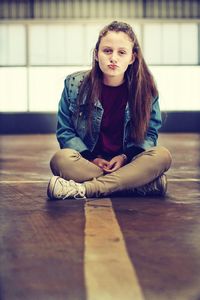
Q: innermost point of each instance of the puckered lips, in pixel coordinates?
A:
(113, 66)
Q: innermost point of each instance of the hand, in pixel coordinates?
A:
(115, 163)
(101, 163)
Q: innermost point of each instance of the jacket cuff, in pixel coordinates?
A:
(132, 151)
(88, 155)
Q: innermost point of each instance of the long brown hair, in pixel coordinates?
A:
(140, 83)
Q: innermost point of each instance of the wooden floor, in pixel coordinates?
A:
(120, 248)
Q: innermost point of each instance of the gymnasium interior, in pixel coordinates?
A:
(115, 248)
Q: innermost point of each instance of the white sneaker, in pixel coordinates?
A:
(158, 187)
(59, 188)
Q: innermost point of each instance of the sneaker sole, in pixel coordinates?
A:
(164, 183)
(50, 188)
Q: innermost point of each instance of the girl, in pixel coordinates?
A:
(108, 123)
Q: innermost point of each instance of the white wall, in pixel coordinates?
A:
(178, 87)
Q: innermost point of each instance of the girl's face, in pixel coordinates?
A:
(114, 56)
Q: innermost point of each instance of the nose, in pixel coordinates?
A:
(113, 58)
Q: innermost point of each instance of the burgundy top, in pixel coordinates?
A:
(113, 101)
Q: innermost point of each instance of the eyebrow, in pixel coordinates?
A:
(120, 48)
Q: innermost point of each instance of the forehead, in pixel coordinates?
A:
(119, 39)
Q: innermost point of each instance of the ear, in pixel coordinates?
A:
(132, 59)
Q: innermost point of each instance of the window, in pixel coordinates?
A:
(56, 45)
(13, 45)
(152, 45)
(35, 58)
(171, 44)
(13, 89)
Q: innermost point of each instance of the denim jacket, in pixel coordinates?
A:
(72, 129)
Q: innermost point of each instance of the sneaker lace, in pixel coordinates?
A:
(71, 188)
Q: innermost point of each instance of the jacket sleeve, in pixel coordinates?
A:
(154, 125)
(66, 133)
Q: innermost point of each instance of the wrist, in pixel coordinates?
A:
(124, 157)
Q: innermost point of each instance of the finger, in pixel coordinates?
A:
(101, 165)
(115, 167)
(112, 164)
(110, 170)
(104, 164)
(107, 166)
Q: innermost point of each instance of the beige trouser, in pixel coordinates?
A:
(144, 168)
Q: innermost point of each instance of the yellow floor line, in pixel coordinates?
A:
(22, 181)
(109, 272)
(183, 179)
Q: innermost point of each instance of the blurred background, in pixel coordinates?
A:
(42, 41)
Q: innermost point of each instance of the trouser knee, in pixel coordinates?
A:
(164, 155)
(62, 159)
